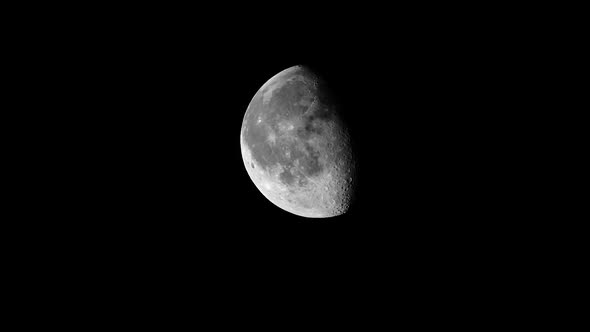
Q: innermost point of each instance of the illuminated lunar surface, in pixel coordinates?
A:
(296, 148)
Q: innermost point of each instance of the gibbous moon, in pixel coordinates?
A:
(296, 148)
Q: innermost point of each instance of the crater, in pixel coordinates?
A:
(288, 130)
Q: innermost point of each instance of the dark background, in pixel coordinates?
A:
(155, 105)
(133, 195)
(164, 103)
(138, 189)
(147, 105)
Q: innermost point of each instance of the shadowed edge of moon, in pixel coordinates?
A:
(329, 192)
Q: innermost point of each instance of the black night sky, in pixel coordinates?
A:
(144, 195)
(157, 106)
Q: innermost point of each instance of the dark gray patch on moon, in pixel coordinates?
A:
(295, 137)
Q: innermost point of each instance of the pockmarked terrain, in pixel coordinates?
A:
(295, 147)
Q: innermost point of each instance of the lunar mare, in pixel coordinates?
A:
(295, 148)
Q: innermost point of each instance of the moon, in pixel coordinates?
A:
(295, 146)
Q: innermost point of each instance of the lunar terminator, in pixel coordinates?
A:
(295, 147)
